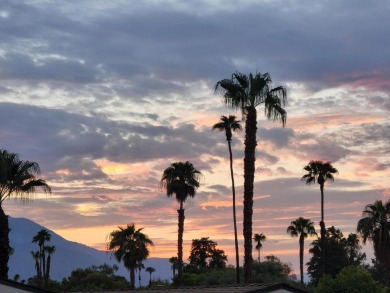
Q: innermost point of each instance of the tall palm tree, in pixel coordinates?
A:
(375, 227)
(173, 260)
(150, 270)
(246, 92)
(181, 179)
(303, 228)
(18, 179)
(320, 172)
(41, 237)
(36, 258)
(131, 246)
(259, 238)
(229, 125)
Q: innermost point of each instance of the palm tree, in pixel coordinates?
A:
(229, 125)
(36, 258)
(139, 266)
(131, 246)
(17, 178)
(375, 227)
(321, 172)
(150, 270)
(49, 250)
(301, 227)
(41, 237)
(258, 238)
(173, 260)
(246, 93)
(181, 179)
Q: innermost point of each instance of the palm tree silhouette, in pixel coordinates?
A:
(303, 228)
(375, 227)
(41, 237)
(131, 246)
(246, 92)
(229, 125)
(321, 172)
(17, 178)
(258, 238)
(181, 179)
(150, 270)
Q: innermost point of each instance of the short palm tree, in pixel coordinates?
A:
(303, 228)
(321, 172)
(259, 238)
(49, 250)
(173, 260)
(150, 270)
(139, 266)
(230, 125)
(375, 227)
(246, 92)
(18, 179)
(181, 179)
(41, 237)
(131, 246)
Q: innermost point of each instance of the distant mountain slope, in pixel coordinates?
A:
(68, 255)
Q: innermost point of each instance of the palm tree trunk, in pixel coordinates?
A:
(4, 244)
(301, 244)
(180, 244)
(323, 231)
(47, 276)
(132, 276)
(249, 176)
(259, 255)
(234, 214)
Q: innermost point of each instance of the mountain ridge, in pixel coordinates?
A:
(69, 255)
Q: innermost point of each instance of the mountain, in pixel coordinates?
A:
(68, 255)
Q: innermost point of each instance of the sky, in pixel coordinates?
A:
(105, 95)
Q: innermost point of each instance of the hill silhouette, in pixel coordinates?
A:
(68, 256)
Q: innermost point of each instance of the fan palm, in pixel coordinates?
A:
(17, 178)
(181, 179)
(375, 227)
(173, 260)
(320, 172)
(246, 92)
(131, 246)
(229, 125)
(150, 270)
(49, 250)
(303, 228)
(41, 237)
(139, 266)
(259, 238)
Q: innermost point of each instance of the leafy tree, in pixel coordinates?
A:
(258, 238)
(150, 270)
(173, 260)
(272, 270)
(181, 179)
(131, 246)
(353, 248)
(351, 279)
(303, 228)
(337, 252)
(17, 178)
(375, 227)
(246, 92)
(94, 278)
(204, 254)
(320, 172)
(229, 125)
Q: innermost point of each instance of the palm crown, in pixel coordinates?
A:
(181, 179)
(244, 91)
(228, 124)
(319, 171)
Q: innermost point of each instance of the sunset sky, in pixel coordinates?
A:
(105, 95)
